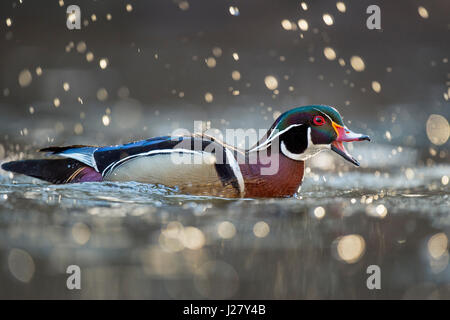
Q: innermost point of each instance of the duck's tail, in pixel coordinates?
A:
(57, 171)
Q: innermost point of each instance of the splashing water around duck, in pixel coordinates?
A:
(273, 168)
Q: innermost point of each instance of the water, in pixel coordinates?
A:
(142, 241)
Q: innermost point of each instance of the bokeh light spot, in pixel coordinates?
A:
(226, 230)
(271, 82)
(303, 24)
(423, 12)
(357, 63)
(21, 265)
(319, 212)
(350, 248)
(328, 19)
(25, 78)
(341, 6)
(81, 233)
(329, 53)
(103, 63)
(437, 245)
(438, 129)
(261, 229)
(376, 86)
(209, 97)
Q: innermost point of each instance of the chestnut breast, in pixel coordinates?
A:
(267, 179)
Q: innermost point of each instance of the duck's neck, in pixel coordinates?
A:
(272, 175)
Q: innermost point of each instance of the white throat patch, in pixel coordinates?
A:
(311, 149)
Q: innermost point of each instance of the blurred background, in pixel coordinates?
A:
(138, 69)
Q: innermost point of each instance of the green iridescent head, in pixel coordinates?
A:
(305, 131)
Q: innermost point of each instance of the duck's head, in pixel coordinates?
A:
(305, 131)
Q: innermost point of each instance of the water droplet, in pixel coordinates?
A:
(409, 173)
(328, 19)
(103, 63)
(78, 129)
(236, 75)
(437, 245)
(423, 12)
(381, 210)
(102, 94)
(388, 136)
(210, 62)
(350, 248)
(376, 86)
(81, 233)
(271, 82)
(25, 78)
(217, 52)
(261, 229)
(341, 7)
(89, 56)
(303, 24)
(209, 97)
(192, 238)
(234, 11)
(286, 24)
(21, 265)
(329, 53)
(319, 212)
(226, 230)
(357, 63)
(183, 5)
(438, 129)
(81, 47)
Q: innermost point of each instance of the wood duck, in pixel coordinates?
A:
(202, 165)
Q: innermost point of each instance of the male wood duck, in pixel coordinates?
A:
(202, 165)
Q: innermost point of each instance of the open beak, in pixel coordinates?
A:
(345, 135)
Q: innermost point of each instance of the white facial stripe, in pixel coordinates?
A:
(266, 143)
(324, 114)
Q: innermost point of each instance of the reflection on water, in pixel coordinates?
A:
(230, 67)
(141, 241)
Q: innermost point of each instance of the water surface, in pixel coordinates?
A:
(135, 240)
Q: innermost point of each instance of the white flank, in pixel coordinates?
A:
(114, 165)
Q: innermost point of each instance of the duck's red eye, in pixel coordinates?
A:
(319, 121)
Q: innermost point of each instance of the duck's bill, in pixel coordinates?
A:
(345, 135)
(339, 148)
